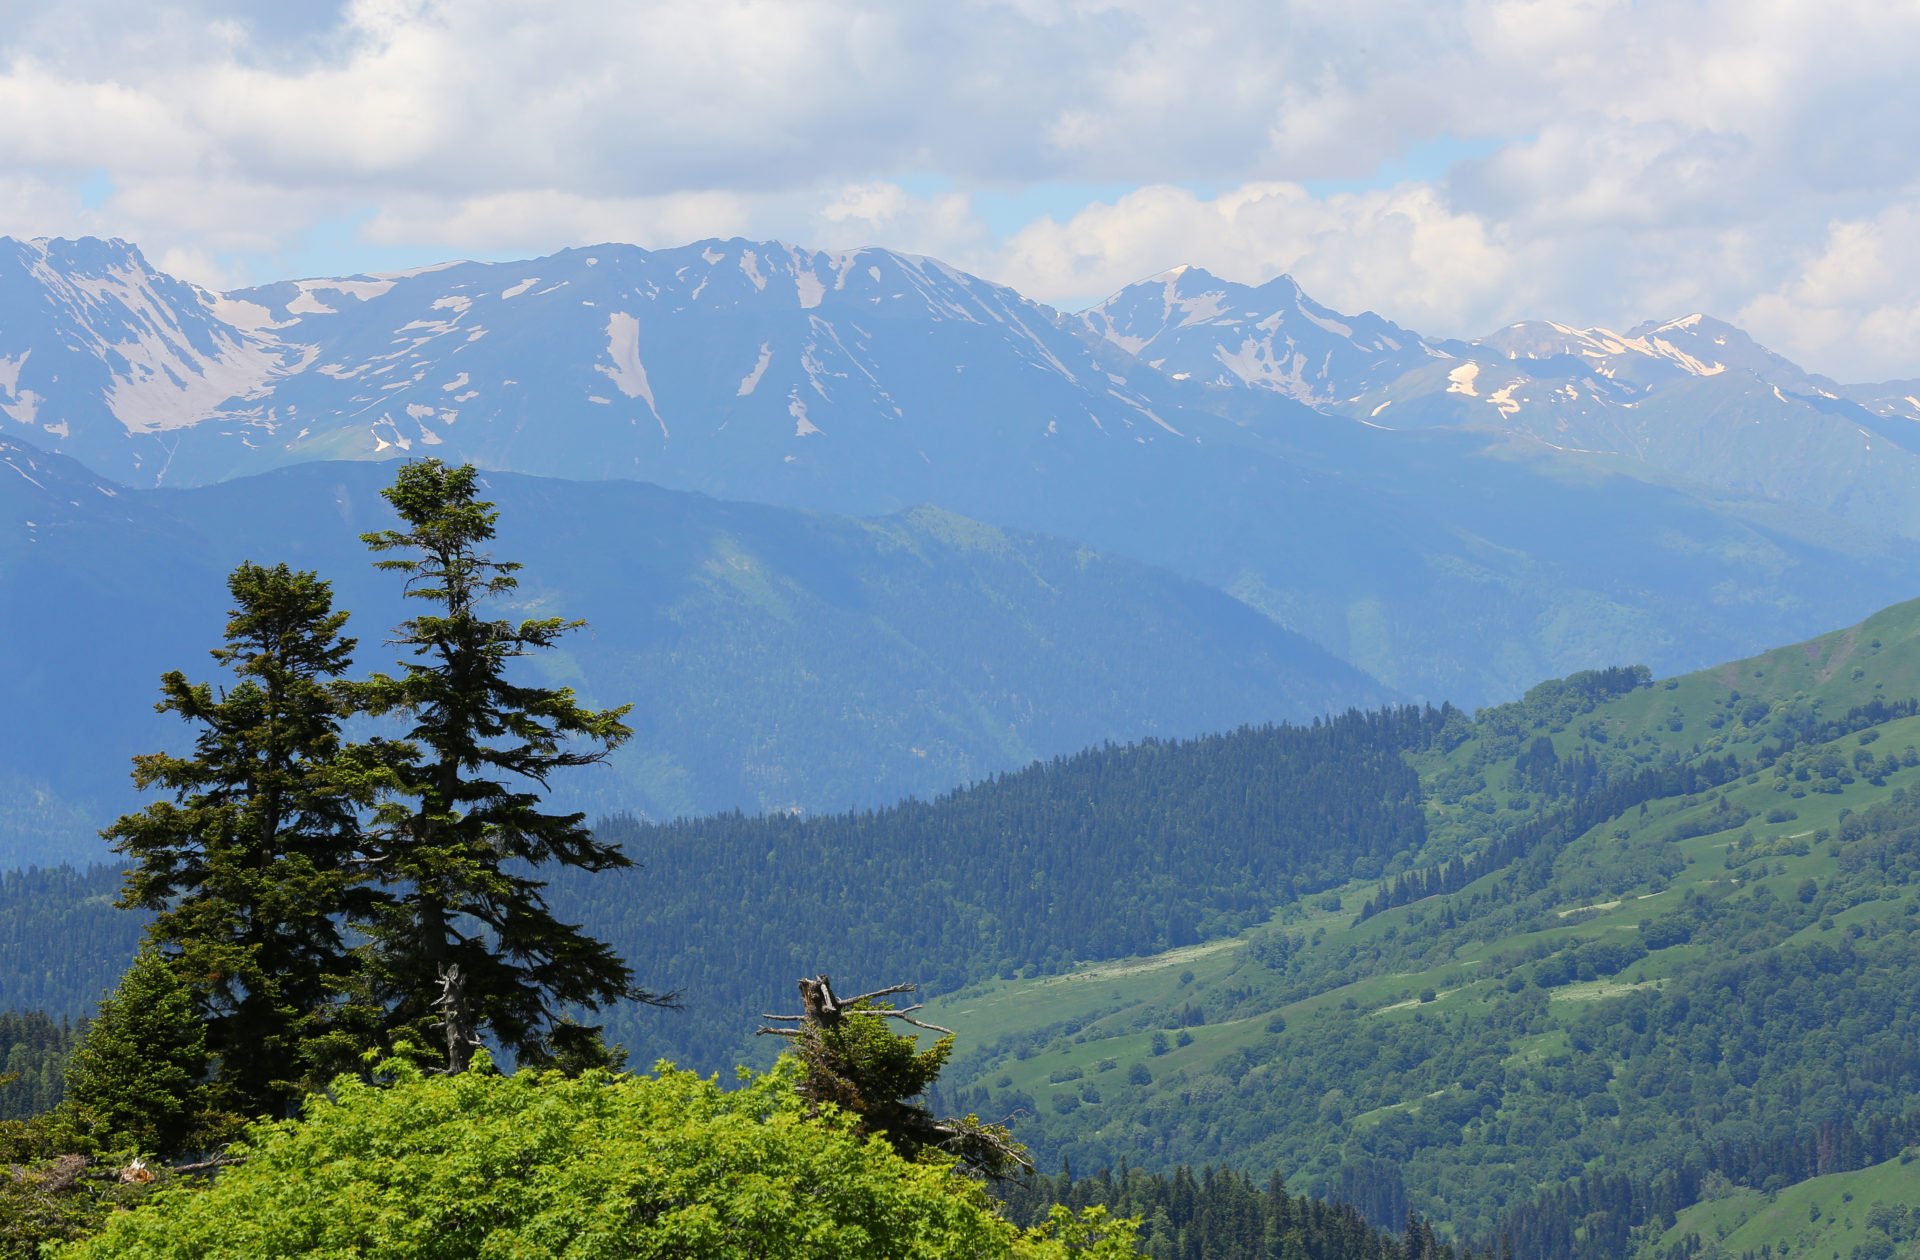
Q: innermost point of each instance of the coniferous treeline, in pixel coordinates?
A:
(1595, 1216)
(1598, 790)
(1552, 704)
(1112, 852)
(1218, 1214)
(33, 1061)
(62, 942)
(1814, 729)
(1109, 852)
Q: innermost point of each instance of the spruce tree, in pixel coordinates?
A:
(466, 944)
(254, 864)
(140, 1076)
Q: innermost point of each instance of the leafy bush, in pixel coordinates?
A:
(601, 1166)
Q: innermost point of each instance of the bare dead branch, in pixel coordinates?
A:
(917, 1024)
(877, 993)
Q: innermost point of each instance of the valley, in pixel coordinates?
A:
(1129, 743)
(1679, 993)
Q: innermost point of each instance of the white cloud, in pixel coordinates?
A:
(543, 220)
(1401, 251)
(1740, 157)
(880, 213)
(1853, 303)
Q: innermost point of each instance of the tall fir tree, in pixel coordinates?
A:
(255, 863)
(467, 945)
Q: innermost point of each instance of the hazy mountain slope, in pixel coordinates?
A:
(1194, 326)
(775, 658)
(1465, 565)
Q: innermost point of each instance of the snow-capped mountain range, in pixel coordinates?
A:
(1194, 326)
(864, 380)
(728, 366)
(1692, 398)
(1209, 428)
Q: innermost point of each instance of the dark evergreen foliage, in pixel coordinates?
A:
(34, 1049)
(1219, 1214)
(463, 941)
(253, 863)
(1108, 853)
(62, 941)
(1538, 837)
(139, 1077)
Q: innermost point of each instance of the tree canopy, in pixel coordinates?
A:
(453, 1167)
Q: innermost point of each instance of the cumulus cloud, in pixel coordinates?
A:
(1633, 161)
(1853, 300)
(1401, 250)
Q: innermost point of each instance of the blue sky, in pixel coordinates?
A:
(1453, 165)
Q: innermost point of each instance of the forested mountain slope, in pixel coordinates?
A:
(1561, 971)
(1688, 958)
(779, 659)
(1114, 851)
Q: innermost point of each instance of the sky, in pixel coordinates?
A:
(1454, 165)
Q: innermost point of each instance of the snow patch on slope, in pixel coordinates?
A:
(810, 286)
(10, 371)
(627, 373)
(752, 379)
(307, 304)
(750, 264)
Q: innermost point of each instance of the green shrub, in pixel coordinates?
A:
(481, 1165)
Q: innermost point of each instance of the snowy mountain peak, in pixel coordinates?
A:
(1193, 325)
(1692, 345)
(92, 337)
(1672, 344)
(1704, 338)
(722, 364)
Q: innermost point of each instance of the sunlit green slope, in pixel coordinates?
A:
(1692, 954)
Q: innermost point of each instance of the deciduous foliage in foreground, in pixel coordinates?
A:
(602, 1166)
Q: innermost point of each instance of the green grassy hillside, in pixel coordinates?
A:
(1709, 968)
(1871, 1213)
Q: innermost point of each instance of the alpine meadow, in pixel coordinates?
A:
(1025, 628)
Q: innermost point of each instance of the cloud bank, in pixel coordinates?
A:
(1452, 165)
